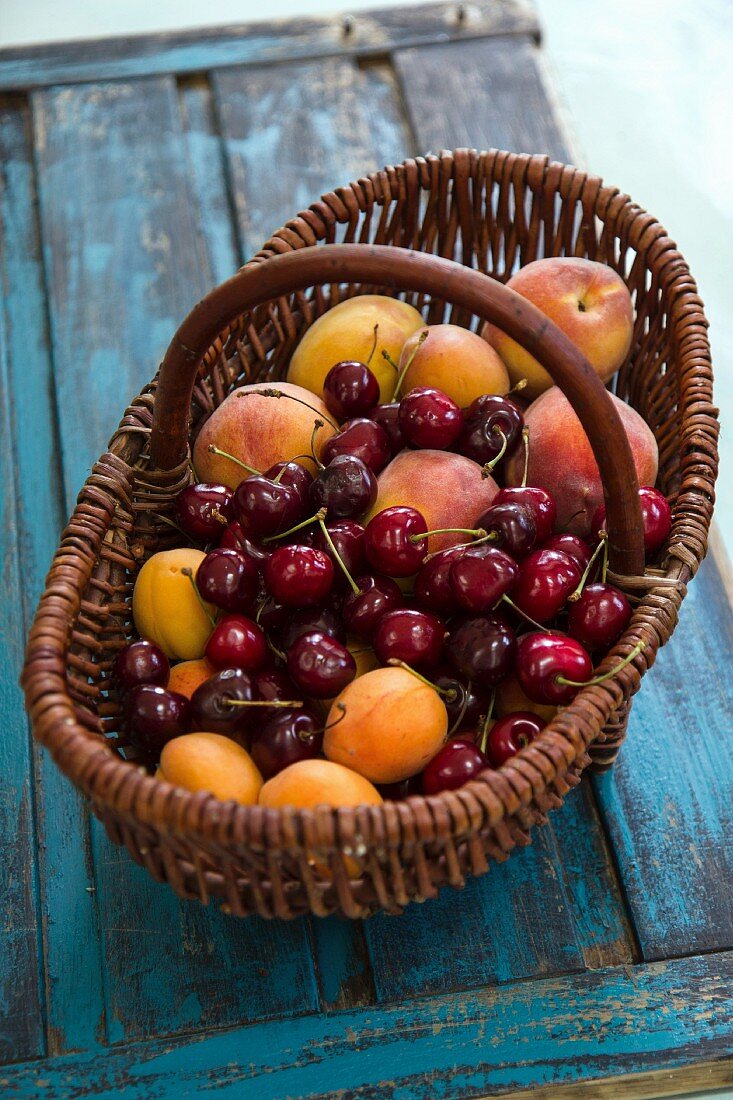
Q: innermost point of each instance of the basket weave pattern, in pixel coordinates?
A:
(490, 211)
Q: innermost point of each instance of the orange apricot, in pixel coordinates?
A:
(213, 763)
(165, 606)
(311, 783)
(186, 676)
(511, 697)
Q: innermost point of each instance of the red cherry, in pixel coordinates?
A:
(546, 579)
(214, 703)
(510, 734)
(411, 636)
(432, 584)
(299, 576)
(430, 418)
(283, 738)
(572, 545)
(363, 439)
(293, 475)
(542, 658)
(346, 487)
(348, 537)
(228, 579)
(599, 617)
(326, 620)
(237, 642)
(265, 507)
(539, 501)
(396, 792)
(203, 510)
(388, 418)
(482, 649)
(320, 666)
(377, 595)
(154, 716)
(656, 516)
(464, 703)
(388, 541)
(235, 537)
(481, 576)
(489, 420)
(272, 685)
(141, 662)
(456, 763)
(512, 527)
(350, 389)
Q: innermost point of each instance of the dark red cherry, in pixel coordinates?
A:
(203, 510)
(599, 617)
(237, 642)
(320, 666)
(235, 537)
(214, 704)
(464, 703)
(510, 734)
(546, 579)
(293, 475)
(390, 541)
(388, 418)
(482, 649)
(350, 389)
(345, 488)
(265, 507)
(364, 439)
(539, 501)
(487, 421)
(542, 658)
(229, 580)
(656, 516)
(154, 716)
(430, 418)
(408, 635)
(272, 685)
(304, 621)
(348, 537)
(299, 576)
(377, 595)
(572, 545)
(396, 792)
(456, 763)
(512, 528)
(433, 589)
(272, 616)
(283, 738)
(141, 662)
(481, 576)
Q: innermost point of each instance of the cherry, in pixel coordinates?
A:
(482, 649)
(293, 475)
(346, 487)
(299, 576)
(364, 439)
(377, 596)
(234, 537)
(415, 637)
(656, 515)
(272, 685)
(388, 418)
(396, 792)
(214, 704)
(228, 579)
(512, 527)
(510, 734)
(389, 541)
(464, 704)
(546, 579)
(271, 615)
(204, 509)
(154, 716)
(492, 423)
(348, 537)
(430, 418)
(456, 763)
(141, 662)
(283, 738)
(432, 584)
(325, 620)
(599, 616)
(350, 389)
(320, 666)
(237, 642)
(539, 501)
(481, 576)
(572, 545)
(542, 658)
(265, 507)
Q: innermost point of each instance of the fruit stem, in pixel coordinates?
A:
(401, 376)
(520, 385)
(604, 566)
(374, 345)
(298, 527)
(290, 397)
(574, 596)
(606, 675)
(460, 715)
(491, 537)
(317, 425)
(487, 719)
(216, 514)
(330, 725)
(489, 466)
(327, 536)
(478, 532)
(519, 611)
(169, 522)
(213, 450)
(525, 440)
(264, 703)
(447, 693)
(187, 572)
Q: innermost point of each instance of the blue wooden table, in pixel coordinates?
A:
(135, 175)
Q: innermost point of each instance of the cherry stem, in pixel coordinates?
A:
(327, 536)
(213, 450)
(278, 476)
(566, 526)
(574, 596)
(298, 527)
(491, 537)
(374, 345)
(487, 719)
(606, 675)
(330, 725)
(290, 397)
(264, 702)
(216, 514)
(520, 385)
(317, 425)
(525, 439)
(519, 611)
(388, 359)
(489, 466)
(278, 652)
(169, 522)
(604, 566)
(478, 532)
(447, 693)
(460, 716)
(401, 376)
(189, 573)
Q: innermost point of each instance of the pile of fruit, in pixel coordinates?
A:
(396, 564)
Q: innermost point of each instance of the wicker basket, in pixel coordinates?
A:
(490, 212)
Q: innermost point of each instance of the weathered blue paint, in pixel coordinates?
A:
(342, 960)
(572, 1028)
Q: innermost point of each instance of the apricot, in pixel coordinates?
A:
(386, 725)
(456, 361)
(347, 332)
(311, 783)
(510, 697)
(213, 763)
(186, 676)
(165, 607)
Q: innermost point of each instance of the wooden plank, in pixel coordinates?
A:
(645, 1086)
(667, 802)
(489, 1043)
(344, 967)
(372, 32)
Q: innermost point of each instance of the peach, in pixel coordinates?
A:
(511, 697)
(260, 431)
(456, 361)
(186, 676)
(386, 725)
(347, 332)
(165, 606)
(561, 459)
(213, 763)
(448, 489)
(587, 300)
(311, 783)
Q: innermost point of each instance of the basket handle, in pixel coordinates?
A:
(402, 269)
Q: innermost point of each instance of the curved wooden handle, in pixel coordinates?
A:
(402, 269)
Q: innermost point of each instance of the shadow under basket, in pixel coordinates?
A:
(431, 231)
